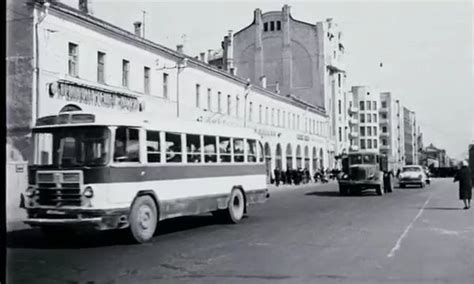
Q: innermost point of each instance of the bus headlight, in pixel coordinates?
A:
(88, 192)
(30, 192)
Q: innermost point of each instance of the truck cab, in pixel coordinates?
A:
(364, 170)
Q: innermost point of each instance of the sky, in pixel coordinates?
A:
(426, 48)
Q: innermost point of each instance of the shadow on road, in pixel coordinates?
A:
(443, 208)
(336, 193)
(34, 238)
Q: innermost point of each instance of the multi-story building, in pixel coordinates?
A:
(84, 63)
(368, 102)
(293, 58)
(410, 137)
(389, 131)
(434, 157)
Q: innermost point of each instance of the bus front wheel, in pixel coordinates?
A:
(143, 219)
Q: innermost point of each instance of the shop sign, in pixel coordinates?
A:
(266, 132)
(93, 96)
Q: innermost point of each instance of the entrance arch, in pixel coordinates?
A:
(299, 158)
(289, 157)
(306, 157)
(278, 157)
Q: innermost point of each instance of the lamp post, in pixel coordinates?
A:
(247, 92)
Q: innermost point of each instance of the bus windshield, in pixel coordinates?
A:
(72, 146)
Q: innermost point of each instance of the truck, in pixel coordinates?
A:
(364, 170)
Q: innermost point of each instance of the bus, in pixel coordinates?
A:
(108, 171)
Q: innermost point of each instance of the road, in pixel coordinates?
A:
(301, 235)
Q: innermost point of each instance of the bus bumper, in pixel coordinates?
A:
(95, 219)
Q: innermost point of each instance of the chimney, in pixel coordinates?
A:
(277, 87)
(179, 48)
(85, 6)
(263, 81)
(138, 28)
(230, 50)
(209, 54)
(202, 57)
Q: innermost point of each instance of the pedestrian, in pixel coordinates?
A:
(464, 176)
(277, 173)
(288, 175)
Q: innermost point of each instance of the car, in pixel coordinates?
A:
(412, 175)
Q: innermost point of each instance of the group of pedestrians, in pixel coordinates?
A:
(302, 176)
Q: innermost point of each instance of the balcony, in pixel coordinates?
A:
(354, 148)
(353, 121)
(383, 121)
(384, 147)
(353, 110)
(353, 134)
(384, 134)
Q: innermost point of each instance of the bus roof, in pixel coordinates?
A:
(80, 118)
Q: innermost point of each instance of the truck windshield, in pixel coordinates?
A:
(72, 146)
(362, 159)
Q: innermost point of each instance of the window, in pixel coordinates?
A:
(265, 27)
(369, 143)
(298, 122)
(173, 148)
(273, 117)
(165, 85)
(73, 59)
(198, 96)
(237, 106)
(101, 67)
(209, 100)
(383, 115)
(375, 130)
(229, 103)
(384, 104)
(146, 80)
(362, 144)
(384, 129)
(127, 147)
(374, 104)
(193, 148)
(369, 131)
(125, 72)
(272, 26)
(283, 119)
(339, 106)
(153, 146)
(251, 151)
(361, 105)
(210, 149)
(362, 131)
(266, 115)
(278, 117)
(369, 105)
(369, 118)
(219, 102)
(384, 142)
(250, 111)
(238, 150)
(362, 118)
(278, 25)
(224, 149)
(339, 80)
(294, 121)
(259, 113)
(374, 117)
(340, 134)
(375, 143)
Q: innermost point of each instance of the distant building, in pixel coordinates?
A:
(410, 137)
(368, 102)
(389, 130)
(435, 157)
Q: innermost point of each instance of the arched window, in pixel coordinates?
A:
(278, 158)
(289, 157)
(299, 158)
(306, 157)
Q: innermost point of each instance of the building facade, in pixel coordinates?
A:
(86, 63)
(410, 137)
(293, 58)
(389, 131)
(367, 101)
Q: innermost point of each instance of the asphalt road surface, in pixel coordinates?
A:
(301, 235)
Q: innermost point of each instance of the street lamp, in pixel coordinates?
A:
(247, 92)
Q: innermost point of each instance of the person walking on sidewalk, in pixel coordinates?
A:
(277, 174)
(464, 176)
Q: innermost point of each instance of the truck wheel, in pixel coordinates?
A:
(143, 219)
(343, 191)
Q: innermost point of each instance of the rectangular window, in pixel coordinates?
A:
(384, 129)
(153, 146)
(362, 118)
(210, 149)
(375, 144)
(237, 106)
(375, 131)
(251, 151)
(219, 102)
(125, 72)
(369, 105)
(146, 80)
(374, 104)
(229, 103)
(294, 121)
(340, 107)
(265, 27)
(278, 25)
(225, 151)
(369, 131)
(384, 104)
(362, 144)
(173, 148)
(250, 111)
(384, 115)
(369, 143)
(340, 134)
(374, 117)
(362, 131)
(361, 105)
(278, 117)
(384, 142)
(369, 118)
(238, 150)
(339, 80)
(266, 115)
(127, 147)
(101, 67)
(165, 85)
(73, 59)
(198, 96)
(259, 113)
(209, 99)
(283, 119)
(298, 122)
(193, 148)
(273, 117)
(272, 26)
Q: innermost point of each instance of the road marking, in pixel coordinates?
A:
(404, 234)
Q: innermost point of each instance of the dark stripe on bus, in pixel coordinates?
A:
(111, 174)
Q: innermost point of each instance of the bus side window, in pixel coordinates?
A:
(260, 152)
(251, 151)
(238, 150)
(153, 146)
(224, 149)
(210, 149)
(193, 147)
(173, 148)
(127, 147)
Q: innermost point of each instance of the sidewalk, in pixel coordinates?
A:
(273, 187)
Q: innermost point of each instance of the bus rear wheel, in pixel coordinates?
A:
(235, 208)
(143, 219)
